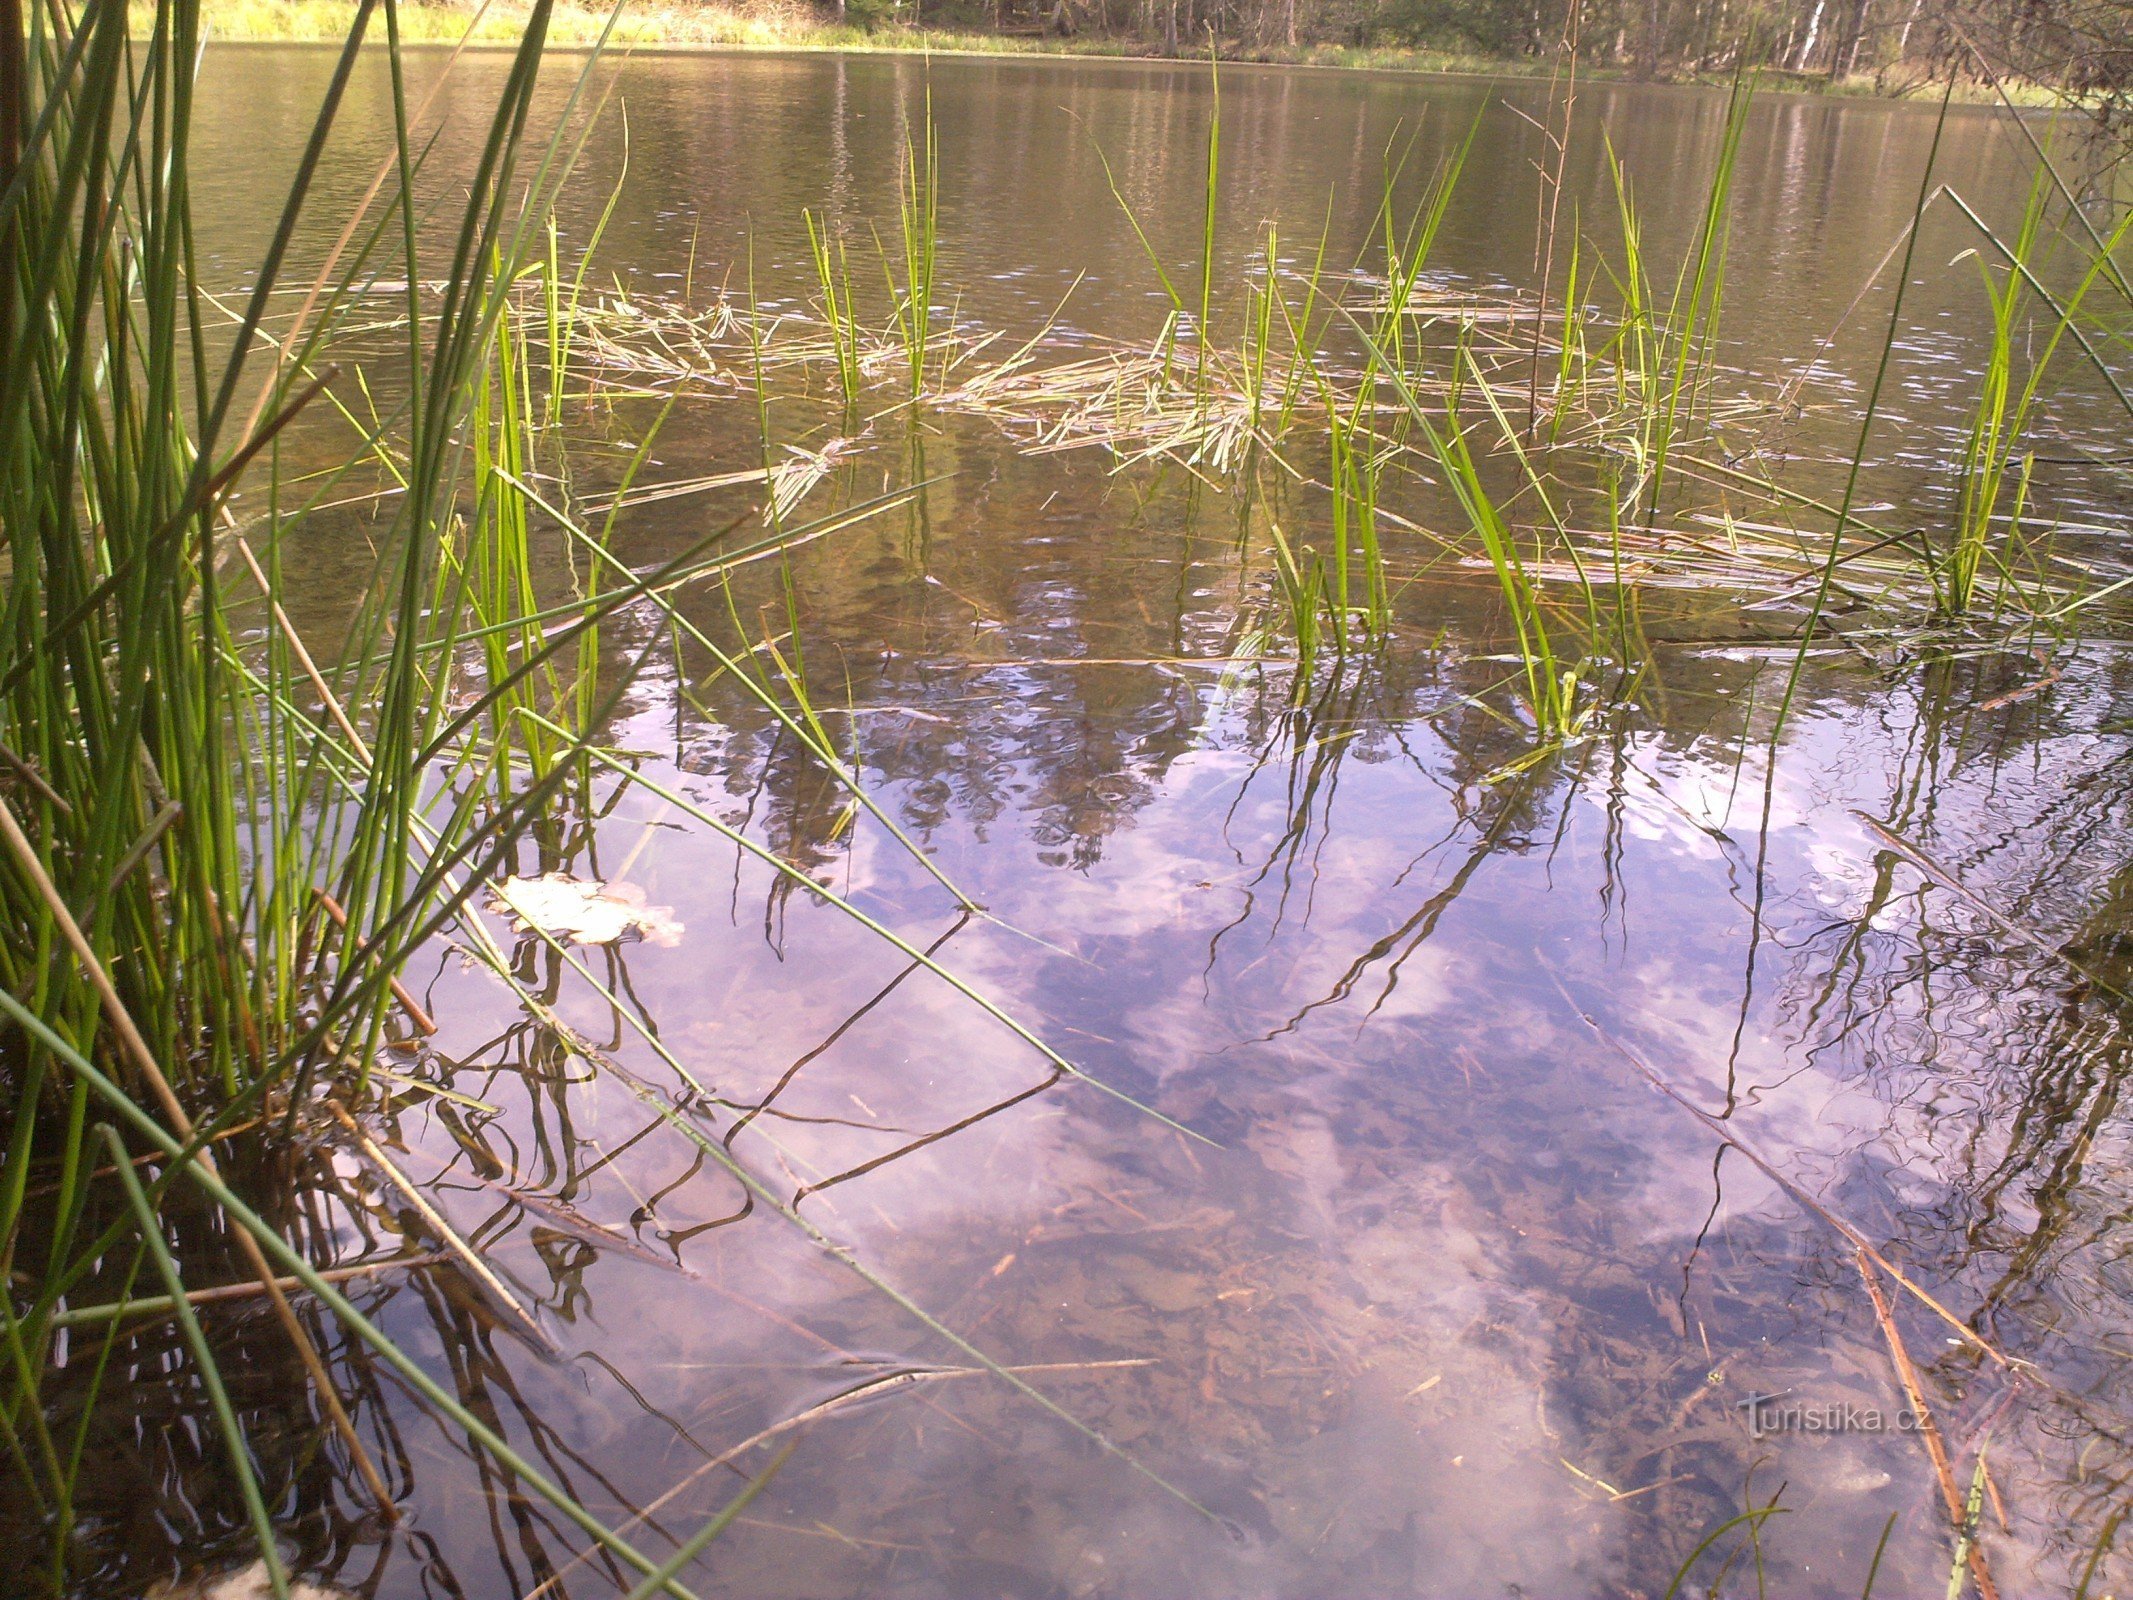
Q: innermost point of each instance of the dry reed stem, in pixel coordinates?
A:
(1715, 1126)
(1928, 1430)
(161, 1305)
(1955, 886)
(443, 1229)
(296, 644)
(35, 779)
(415, 1014)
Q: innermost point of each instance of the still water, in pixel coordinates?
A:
(1407, 1280)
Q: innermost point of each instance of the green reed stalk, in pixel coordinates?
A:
(1301, 587)
(1660, 355)
(1827, 575)
(1551, 685)
(833, 275)
(1305, 333)
(1571, 354)
(1692, 329)
(176, 785)
(807, 732)
(185, 1159)
(1209, 209)
(562, 308)
(498, 547)
(1629, 350)
(1356, 454)
(1168, 339)
(1993, 451)
(1551, 681)
(150, 1227)
(1407, 256)
(918, 194)
(1340, 426)
(1259, 331)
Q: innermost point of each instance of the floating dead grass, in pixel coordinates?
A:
(1239, 408)
(1140, 403)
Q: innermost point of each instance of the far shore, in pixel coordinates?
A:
(717, 28)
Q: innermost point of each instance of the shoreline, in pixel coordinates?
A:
(719, 30)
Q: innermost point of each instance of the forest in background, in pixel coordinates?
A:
(2076, 53)
(2083, 48)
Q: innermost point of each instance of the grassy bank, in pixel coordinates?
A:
(763, 27)
(773, 26)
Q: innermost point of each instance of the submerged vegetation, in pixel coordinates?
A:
(225, 846)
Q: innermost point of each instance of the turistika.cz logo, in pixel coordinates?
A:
(1779, 1413)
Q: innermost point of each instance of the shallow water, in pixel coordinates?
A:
(1383, 1268)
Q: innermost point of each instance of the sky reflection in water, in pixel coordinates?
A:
(1443, 1298)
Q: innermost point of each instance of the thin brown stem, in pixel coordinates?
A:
(143, 1061)
(1951, 1493)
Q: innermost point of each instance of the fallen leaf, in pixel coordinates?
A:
(584, 910)
(243, 1583)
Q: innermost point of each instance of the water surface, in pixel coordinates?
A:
(1401, 1278)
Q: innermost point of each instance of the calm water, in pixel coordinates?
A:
(1435, 1294)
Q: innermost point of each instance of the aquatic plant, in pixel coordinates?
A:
(1997, 448)
(918, 206)
(1628, 420)
(219, 852)
(1551, 681)
(1211, 196)
(560, 306)
(833, 276)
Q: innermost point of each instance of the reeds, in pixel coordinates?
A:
(1210, 206)
(918, 204)
(1672, 351)
(221, 852)
(1551, 681)
(1615, 480)
(1994, 473)
(833, 276)
(195, 792)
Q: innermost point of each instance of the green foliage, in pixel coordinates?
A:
(1490, 27)
(225, 852)
(2029, 327)
(918, 195)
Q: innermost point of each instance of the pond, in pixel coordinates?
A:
(1460, 1182)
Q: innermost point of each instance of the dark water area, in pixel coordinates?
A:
(1402, 1277)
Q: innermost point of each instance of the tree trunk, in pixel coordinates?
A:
(1652, 54)
(1844, 45)
(1807, 45)
(1903, 39)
